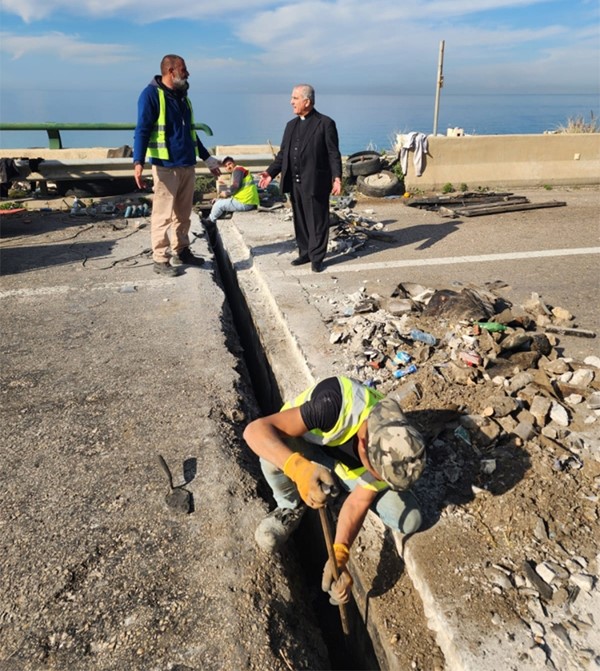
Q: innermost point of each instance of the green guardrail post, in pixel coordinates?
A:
(54, 139)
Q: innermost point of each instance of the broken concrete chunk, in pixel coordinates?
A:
(559, 415)
(593, 400)
(516, 340)
(583, 581)
(592, 361)
(498, 578)
(525, 431)
(539, 408)
(503, 405)
(540, 530)
(556, 367)
(582, 377)
(519, 381)
(561, 314)
(546, 572)
(399, 306)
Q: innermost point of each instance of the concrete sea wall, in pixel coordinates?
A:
(508, 160)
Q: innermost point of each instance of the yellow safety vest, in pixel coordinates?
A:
(248, 193)
(357, 403)
(157, 144)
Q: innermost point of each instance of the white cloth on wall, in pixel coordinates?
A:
(418, 143)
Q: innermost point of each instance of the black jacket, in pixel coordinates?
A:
(320, 159)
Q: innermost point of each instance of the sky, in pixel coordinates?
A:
(99, 54)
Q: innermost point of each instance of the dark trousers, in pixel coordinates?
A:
(311, 223)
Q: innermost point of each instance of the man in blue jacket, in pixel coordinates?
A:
(165, 134)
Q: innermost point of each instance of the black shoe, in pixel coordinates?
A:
(165, 269)
(300, 261)
(186, 256)
(317, 266)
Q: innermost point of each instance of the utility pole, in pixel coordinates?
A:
(438, 86)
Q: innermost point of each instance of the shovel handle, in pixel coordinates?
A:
(334, 567)
(166, 469)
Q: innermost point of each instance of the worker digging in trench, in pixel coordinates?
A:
(352, 436)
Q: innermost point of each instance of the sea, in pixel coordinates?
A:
(363, 121)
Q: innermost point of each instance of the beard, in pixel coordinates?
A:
(180, 84)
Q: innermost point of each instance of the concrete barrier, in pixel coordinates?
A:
(475, 161)
(508, 160)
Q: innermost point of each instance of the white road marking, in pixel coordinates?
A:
(451, 260)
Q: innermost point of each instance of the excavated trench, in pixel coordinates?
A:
(356, 651)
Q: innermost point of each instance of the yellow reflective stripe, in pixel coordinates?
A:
(157, 146)
(358, 401)
(362, 476)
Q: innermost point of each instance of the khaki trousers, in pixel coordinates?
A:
(171, 210)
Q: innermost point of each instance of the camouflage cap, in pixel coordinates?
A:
(395, 448)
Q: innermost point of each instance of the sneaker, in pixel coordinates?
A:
(165, 269)
(186, 256)
(277, 526)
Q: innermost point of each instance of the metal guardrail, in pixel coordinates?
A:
(53, 129)
(111, 168)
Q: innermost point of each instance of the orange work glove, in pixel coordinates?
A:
(312, 480)
(339, 590)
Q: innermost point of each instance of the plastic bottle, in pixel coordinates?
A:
(405, 371)
(494, 327)
(76, 207)
(421, 336)
(402, 357)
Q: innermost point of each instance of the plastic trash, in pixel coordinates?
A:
(421, 336)
(402, 357)
(77, 207)
(405, 371)
(470, 358)
(493, 327)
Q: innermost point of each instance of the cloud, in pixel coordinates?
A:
(65, 48)
(148, 11)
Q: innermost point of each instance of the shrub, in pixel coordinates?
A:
(579, 125)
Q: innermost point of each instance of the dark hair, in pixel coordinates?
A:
(227, 159)
(169, 61)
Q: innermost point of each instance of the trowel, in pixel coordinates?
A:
(178, 498)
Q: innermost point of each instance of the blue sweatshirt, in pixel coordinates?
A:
(182, 151)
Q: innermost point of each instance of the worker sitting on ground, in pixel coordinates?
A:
(240, 196)
(352, 435)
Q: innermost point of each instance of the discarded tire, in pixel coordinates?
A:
(379, 185)
(363, 163)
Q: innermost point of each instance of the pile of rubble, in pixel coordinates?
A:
(513, 431)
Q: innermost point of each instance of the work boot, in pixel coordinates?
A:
(165, 269)
(186, 256)
(274, 529)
